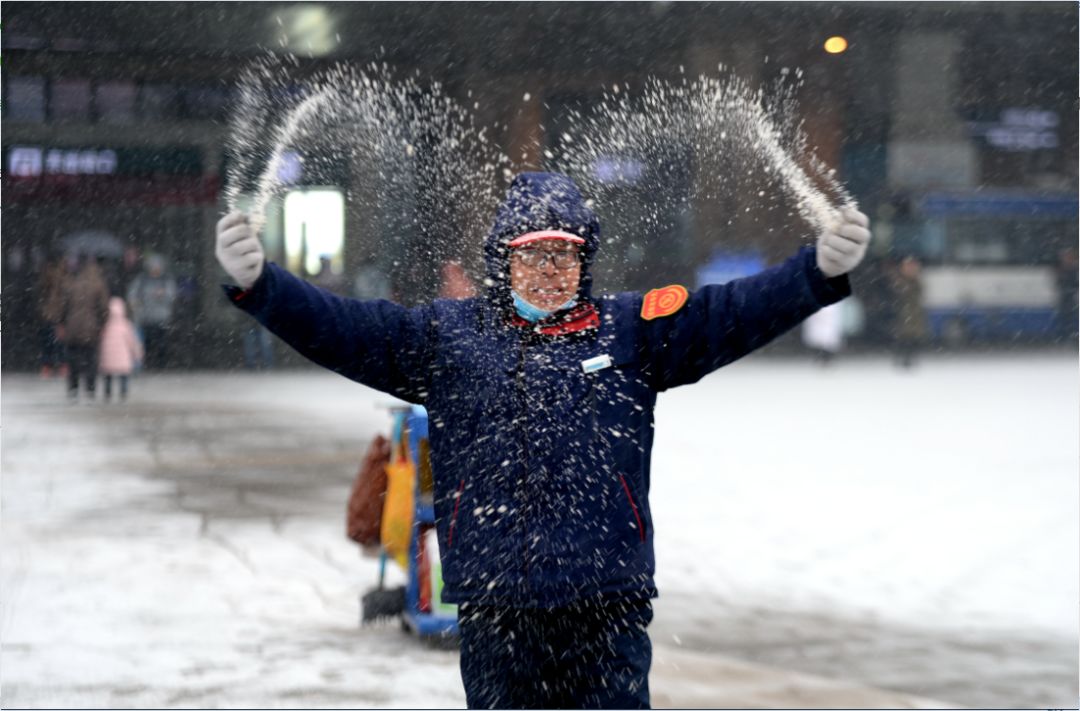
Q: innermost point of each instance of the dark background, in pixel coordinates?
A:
(902, 115)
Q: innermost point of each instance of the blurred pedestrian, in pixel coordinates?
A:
(823, 333)
(81, 309)
(541, 400)
(327, 279)
(875, 296)
(371, 282)
(152, 298)
(50, 280)
(129, 268)
(113, 270)
(909, 322)
(258, 348)
(120, 349)
(456, 284)
(1068, 313)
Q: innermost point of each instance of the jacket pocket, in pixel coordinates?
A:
(633, 508)
(453, 516)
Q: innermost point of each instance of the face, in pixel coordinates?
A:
(909, 268)
(536, 277)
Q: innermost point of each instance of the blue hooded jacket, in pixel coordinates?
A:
(541, 469)
(539, 201)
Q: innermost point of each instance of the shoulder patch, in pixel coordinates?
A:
(663, 302)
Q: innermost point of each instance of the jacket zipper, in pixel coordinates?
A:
(522, 411)
(453, 517)
(633, 507)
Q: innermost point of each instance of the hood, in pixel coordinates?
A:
(538, 201)
(117, 309)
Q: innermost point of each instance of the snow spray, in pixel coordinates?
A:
(390, 137)
(730, 130)
(399, 136)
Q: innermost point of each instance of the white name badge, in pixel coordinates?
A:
(591, 365)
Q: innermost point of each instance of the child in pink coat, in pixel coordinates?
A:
(120, 348)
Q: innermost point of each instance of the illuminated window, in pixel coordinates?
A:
(25, 99)
(314, 227)
(116, 101)
(71, 99)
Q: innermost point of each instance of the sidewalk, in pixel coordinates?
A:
(187, 549)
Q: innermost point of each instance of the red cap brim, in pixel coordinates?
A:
(545, 234)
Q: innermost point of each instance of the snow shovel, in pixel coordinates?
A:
(382, 602)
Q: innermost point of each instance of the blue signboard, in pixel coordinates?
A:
(945, 205)
(726, 266)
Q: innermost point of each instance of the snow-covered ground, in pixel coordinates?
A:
(946, 497)
(914, 531)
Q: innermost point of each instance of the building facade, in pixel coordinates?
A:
(953, 124)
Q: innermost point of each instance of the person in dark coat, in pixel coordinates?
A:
(52, 277)
(910, 327)
(81, 309)
(540, 400)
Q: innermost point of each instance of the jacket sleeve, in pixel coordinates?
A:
(721, 323)
(378, 343)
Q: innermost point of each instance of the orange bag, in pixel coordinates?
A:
(398, 508)
(364, 515)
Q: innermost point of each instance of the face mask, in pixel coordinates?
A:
(531, 313)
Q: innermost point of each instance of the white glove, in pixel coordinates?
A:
(239, 250)
(842, 246)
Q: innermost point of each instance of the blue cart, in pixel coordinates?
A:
(410, 424)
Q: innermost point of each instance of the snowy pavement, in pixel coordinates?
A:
(855, 536)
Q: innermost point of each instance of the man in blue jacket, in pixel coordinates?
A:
(540, 401)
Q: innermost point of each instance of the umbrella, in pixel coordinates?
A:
(96, 243)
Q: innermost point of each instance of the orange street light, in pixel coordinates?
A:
(835, 45)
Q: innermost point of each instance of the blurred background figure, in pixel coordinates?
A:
(152, 297)
(823, 333)
(258, 348)
(371, 282)
(105, 248)
(52, 360)
(81, 309)
(120, 349)
(909, 321)
(129, 269)
(1067, 278)
(456, 283)
(327, 279)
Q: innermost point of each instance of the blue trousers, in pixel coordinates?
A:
(592, 655)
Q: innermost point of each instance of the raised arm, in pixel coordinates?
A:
(378, 343)
(719, 324)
